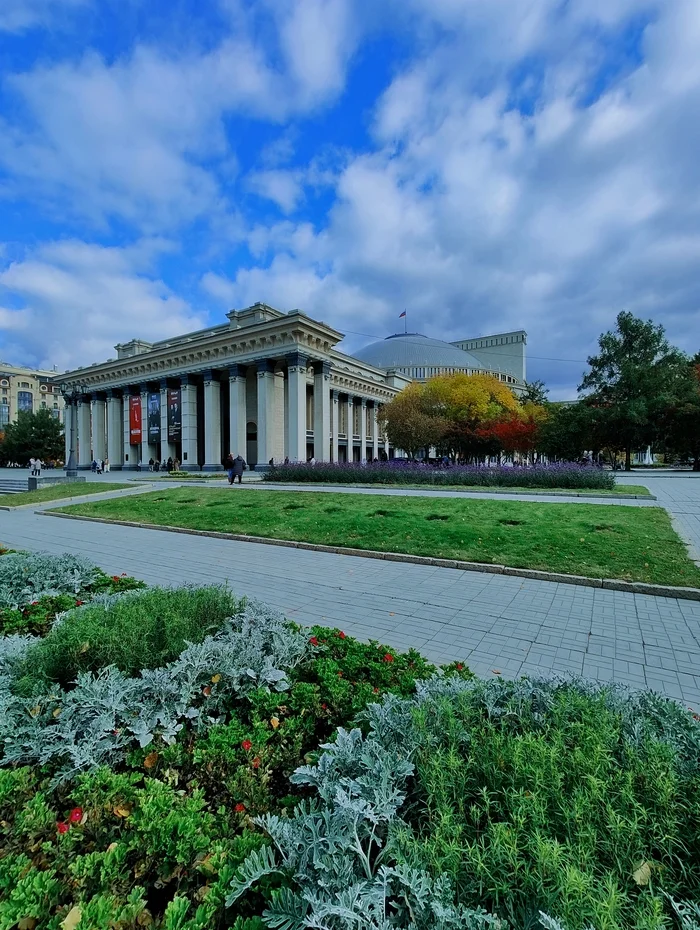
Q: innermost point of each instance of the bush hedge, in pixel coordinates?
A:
(401, 472)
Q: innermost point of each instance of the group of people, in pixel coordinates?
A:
(100, 466)
(171, 465)
(35, 466)
(235, 466)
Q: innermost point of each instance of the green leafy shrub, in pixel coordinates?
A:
(571, 798)
(134, 631)
(25, 576)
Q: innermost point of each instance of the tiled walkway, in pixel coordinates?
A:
(495, 623)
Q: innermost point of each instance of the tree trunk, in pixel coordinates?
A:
(628, 459)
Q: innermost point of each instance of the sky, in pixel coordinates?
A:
(487, 165)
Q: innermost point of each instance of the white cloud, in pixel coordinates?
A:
(80, 300)
(285, 188)
(20, 15)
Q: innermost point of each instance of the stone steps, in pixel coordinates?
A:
(13, 486)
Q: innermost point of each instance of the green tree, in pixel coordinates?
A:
(535, 393)
(631, 382)
(35, 435)
(682, 425)
(567, 431)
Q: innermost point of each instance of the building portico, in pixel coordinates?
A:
(267, 385)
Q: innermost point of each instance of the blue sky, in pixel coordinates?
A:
(487, 164)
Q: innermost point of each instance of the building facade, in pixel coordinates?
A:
(268, 385)
(27, 389)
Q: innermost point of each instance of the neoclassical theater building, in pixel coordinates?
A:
(266, 384)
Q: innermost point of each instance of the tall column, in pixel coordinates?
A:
(131, 456)
(115, 431)
(375, 432)
(363, 429)
(188, 393)
(84, 434)
(266, 410)
(335, 408)
(322, 412)
(68, 424)
(212, 423)
(237, 410)
(296, 374)
(349, 425)
(99, 427)
(167, 448)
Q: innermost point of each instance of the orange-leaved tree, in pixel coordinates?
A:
(409, 423)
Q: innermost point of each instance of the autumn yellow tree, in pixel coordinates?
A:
(409, 424)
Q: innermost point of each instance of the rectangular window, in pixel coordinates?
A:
(25, 400)
(4, 415)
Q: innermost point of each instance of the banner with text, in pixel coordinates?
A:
(174, 416)
(154, 419)
(135, 435)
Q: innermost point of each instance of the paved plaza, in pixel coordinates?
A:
(497, 624)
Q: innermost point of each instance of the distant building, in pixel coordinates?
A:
(27, 389)
(419, 357)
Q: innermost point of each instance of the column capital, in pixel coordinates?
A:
(186, 380)
(99, 396)
(163, 384)
(363, 401)
(335, 395)
(265, 366)
(350, 398)
(322, 367)
(209, 375)
(236, 371)
(114, 393)
(297, 360)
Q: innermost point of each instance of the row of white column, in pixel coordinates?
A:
(101, 427)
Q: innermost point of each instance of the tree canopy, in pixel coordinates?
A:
(32, 435)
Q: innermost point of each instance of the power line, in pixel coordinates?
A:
(541, 358)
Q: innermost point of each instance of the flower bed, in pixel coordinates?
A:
(36, 587)
(193, 794)
(561, 476)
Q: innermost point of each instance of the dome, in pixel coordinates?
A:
(408, 351)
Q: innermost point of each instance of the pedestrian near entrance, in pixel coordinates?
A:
(106, 466)
(38, 464)
(238, 469)
(228, 467)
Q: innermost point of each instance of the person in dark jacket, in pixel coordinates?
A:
(238, 468)
(228, 466)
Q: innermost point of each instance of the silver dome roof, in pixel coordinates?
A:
(409, 350)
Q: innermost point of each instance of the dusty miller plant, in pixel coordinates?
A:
(338, 849)
(106, 713)
(25, 577)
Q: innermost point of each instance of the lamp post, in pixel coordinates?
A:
(72, 394)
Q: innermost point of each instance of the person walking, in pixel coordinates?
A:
(106, 466)
(169, 465)
(229, 464)
(37, 467)
(238, 468)
(32, 466)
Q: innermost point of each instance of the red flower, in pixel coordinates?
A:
(376, 690)
(76, 815)
(388, 657)
(314, 641)
(247, 745)
(340, 674)
(324, 706)
(62, 827)
(79, 603)
(239, 808)
(256, 762)
(115, 577)
(34, 603)
(459, 666)
(341, 634)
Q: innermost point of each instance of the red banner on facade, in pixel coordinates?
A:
(135, 420)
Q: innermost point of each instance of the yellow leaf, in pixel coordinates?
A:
(72, 918)
(27, 923)
(642, 874)
(35, 711)
(57, 712)
(216, 679)
(122, 810)
(112, 847)
(274, 722)
(84, 648)
(150, 760)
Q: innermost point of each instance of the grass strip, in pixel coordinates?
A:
(631, 489)
(595, 540)
(58, 492)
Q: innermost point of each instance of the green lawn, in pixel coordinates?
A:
(596, 540)
(58, 492)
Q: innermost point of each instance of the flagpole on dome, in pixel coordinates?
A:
(405, 322)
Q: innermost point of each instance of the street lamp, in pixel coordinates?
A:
(72, 393)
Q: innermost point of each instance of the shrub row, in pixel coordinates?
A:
(559, 476)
